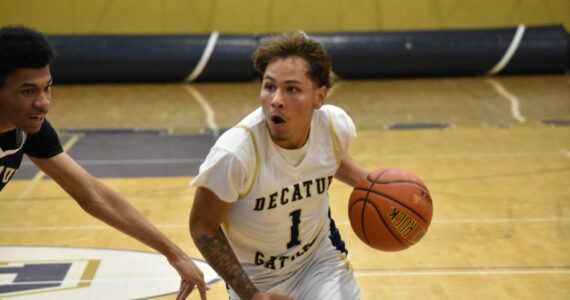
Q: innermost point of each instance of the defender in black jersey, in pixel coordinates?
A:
(25, 95)
(15, 143)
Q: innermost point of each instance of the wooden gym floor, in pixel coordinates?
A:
(495, 153)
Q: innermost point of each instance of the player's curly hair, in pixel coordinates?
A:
(22, 47)
(296, 44)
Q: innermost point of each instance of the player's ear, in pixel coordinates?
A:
(321, 95)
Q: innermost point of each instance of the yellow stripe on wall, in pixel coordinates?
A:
(261, 16)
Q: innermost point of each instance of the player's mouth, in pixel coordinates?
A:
(37, 118)
(277, 120)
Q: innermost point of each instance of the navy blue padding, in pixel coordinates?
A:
(150, 58)
(445, 53)
(356, 55)
(542, 50)
(231, 59)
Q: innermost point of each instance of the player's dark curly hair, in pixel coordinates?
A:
(21, 47)
(296, 44)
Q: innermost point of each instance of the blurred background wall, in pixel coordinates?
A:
(269, 16)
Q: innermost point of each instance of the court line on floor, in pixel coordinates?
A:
(97, 162)
(514, 101)
(40, 175)
(498, 176)
(149, 161)
(501, 220)
(210, 113)
(358, 273)
(175, 226)
(481, 221)
(473, 155)
(105, 280)
(447, 273)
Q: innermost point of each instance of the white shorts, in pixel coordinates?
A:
(326, 275)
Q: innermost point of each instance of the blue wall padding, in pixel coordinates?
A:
(445, 53)
(365, 55)
(150, 58)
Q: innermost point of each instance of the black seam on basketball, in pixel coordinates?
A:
(361, 215)
(362, 221)
(388, 227)
(405, 181)
(373, 182)
(366, 201)
(402, 204)
(379, 176)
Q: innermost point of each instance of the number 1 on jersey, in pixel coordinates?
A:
(296, 219)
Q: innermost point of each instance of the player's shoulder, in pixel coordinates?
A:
(46, 134)
(240, 136)
(335, 113)
(332, 109)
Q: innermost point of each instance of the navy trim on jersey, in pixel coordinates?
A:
(334, 236)
(43, 144)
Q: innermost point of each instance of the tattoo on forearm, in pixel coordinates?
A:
(217, 251)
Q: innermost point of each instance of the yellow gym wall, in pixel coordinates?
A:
(269, 16)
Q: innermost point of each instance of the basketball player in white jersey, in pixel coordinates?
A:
(261, 214)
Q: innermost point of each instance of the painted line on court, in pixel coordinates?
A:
(515, 103)
(210, 114)
(503, 220)
(447, 273)
(334, 88)
(415, 126)
(98, 162)
(107, 280)
(358, 273)
(95, 227)
(40, 175)
(556, 122)
(472, 155)
(480, 221)
(176, 226)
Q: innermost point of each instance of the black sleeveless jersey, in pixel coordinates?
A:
(13, 144)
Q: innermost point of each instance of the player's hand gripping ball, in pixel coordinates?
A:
(390, 210)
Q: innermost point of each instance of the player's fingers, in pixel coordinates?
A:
(185, 290)
(202, 290)
(182, 294)
(180, 289)
(179, 295)
(201, 284)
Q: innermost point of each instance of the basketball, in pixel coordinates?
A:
(390, 210)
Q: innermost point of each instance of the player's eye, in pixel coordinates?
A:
(269, 86)
(292, 89)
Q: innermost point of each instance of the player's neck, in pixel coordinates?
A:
(6, 126)
(292, 143)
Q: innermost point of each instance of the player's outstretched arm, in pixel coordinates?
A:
(350, 172)
(107, 205)
(208, 212)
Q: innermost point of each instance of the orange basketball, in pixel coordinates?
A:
(390, 210)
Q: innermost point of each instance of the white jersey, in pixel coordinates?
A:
(281, 211)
